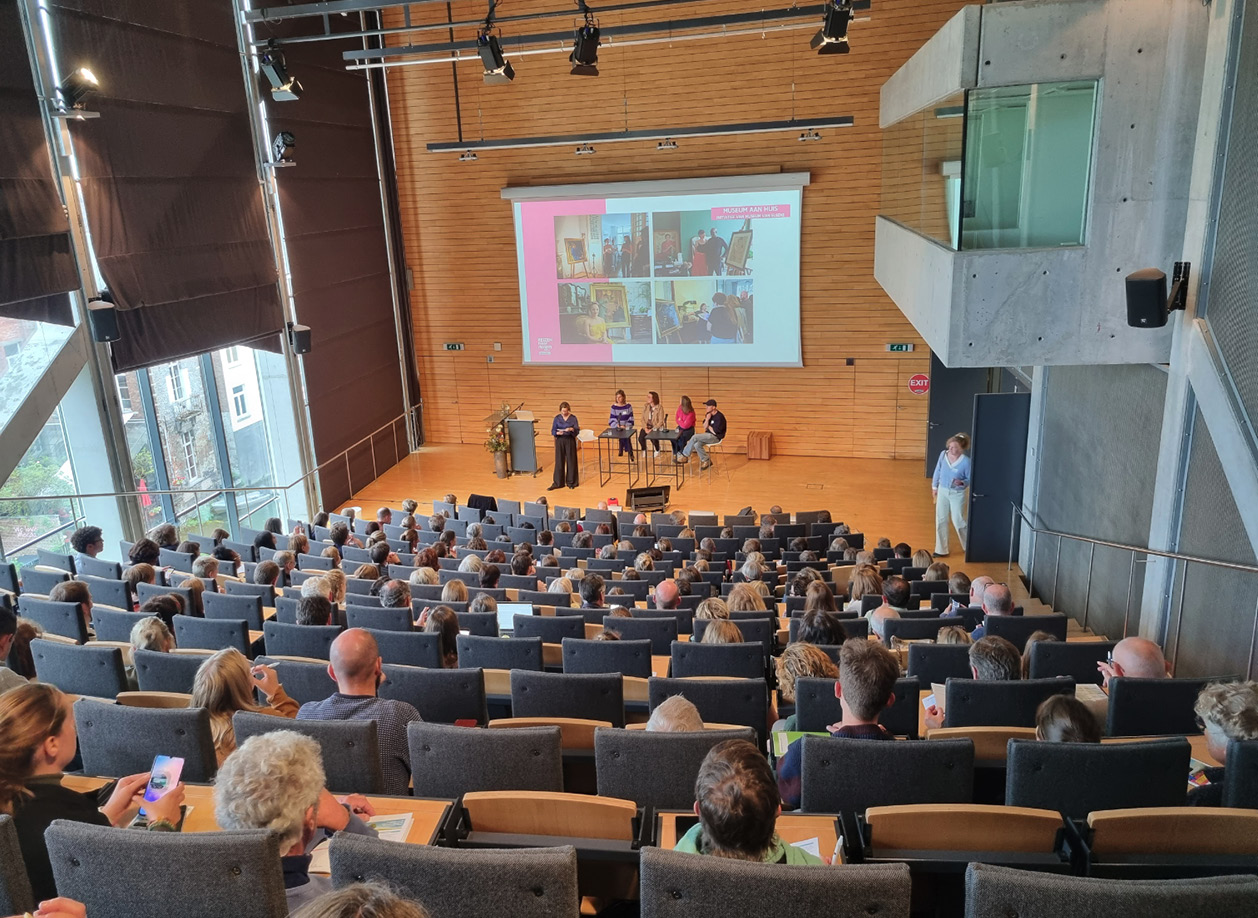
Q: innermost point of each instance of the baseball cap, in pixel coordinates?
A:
(711, 402)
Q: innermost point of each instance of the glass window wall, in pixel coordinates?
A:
(31, 523)
(26, 350)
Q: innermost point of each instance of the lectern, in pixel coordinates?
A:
(521, 437)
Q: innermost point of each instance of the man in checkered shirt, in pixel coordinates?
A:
(356, 667)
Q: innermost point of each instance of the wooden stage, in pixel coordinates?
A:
(879, 497)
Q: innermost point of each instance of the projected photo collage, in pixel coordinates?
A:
(666, 277)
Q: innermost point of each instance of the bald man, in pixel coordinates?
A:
(1136, 658)
(667, 595)
(355, 666)
(997, 600)
(977, 586)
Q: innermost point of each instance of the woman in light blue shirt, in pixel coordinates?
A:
(952, 477)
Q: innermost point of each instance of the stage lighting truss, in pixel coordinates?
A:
(832, 37)
(284, 88)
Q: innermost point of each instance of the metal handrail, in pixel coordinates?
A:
(343, 454)
(1172, 556)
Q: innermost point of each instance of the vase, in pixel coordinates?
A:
(500, 465)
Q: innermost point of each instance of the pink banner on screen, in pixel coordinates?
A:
(537, 224)
(752, 211)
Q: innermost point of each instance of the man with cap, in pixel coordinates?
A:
(713, 433)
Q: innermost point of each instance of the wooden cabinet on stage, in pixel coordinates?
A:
(759, 444)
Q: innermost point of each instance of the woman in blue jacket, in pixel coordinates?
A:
(949, 484)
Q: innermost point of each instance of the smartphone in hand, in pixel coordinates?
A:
(162, 777)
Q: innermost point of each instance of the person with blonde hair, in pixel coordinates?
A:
(331, 552)
(948, 486)
(299, 543)
(1227, 711)
(38, 740)
(317, 586)
(454, 591)
(224, 684)
(360, 900)
(472, 564)
(921, 558)
(798, 660)
(953, 634)
(136, 574)
(195, 588)
(936, 571)
(336, 585)
(560, 585)
(275, 781)
(367, 572)
(675, 714)
(745, 598)
(865, 581)
(426, 576)
(722, 631)
(151, 633)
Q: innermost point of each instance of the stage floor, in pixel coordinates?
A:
(879, 497)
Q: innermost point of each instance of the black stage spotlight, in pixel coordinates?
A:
(77, 86)
(584, 54)
(832, 38)
(282, 147)
(497, 68)
(284, 88)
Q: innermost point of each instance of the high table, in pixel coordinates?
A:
(675, 470)
(609, 437)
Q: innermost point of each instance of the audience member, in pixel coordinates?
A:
(592, 592)
(336, 585)
(712, 607)
(8, 633)
(997, 600)
(953, 634)
(149, 633)
(316, 586)
(314, 610)
(165, 607)
(275, 781)
(426, 576)
(145, 551)
(667, 595)
(721, 631)
(38, 740)
(87, 541)
(444, 622)
(1136, 658)
(165, 535)
(396, 594)
(21, 660)
(77, 592)
(286, 561)
(865, 581)
(454, 591)
(267, 573)
(737, 803)
(866, 686)
(358, 900)
(489, 576)
(895, 600)
(1065, 719)
(821, 627)
(799, 660)
(1026, 650)
(1227, 711)
(482, 603)
(675, 715)
(225, 683)
(745, 598)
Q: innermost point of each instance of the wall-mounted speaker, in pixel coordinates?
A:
(103, 318)
(1146, 298)
(299, 336)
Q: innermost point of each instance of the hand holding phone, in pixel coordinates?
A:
(163, 778)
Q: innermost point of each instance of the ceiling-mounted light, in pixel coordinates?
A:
(497, 68)
(810, 134)
(585, 150)
(584, 56)
(832, 37)
(77, 86)
(467, 156)
(282, 147)
(284, 88)
(666, 144)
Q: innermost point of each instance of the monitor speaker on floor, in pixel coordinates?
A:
(653, 498)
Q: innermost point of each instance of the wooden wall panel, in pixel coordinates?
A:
(459, 234)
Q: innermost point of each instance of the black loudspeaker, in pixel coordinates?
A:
(299, 335)
(103, 317)
(1146, 298)
(654, 498)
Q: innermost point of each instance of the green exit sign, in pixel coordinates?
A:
(900, 348)
(453, 346)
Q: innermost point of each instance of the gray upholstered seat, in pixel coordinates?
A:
(677, 885)
(816, 706)
(655, 769)
(744, 661)
(36, 580)
(80, 669)
(211, 634)
(146, 591)
(109, 591)
(1153, 707)
(439, 695)
(302, 681)
(1016, 629)
(447, 761)
(166, 672)
(314, 641)
(234, 606)
(465, 883)
(1240, 779)
(912, 629)
(112, 625)
(841, 775)
(237, 588)
(760, 629)
(742, 702)
(407, 648)
(118, 740)
(587, 695)
(477, 652)
(998, 892)
(629, 658)
(661, 632)
(1077, 778)
(350, 748)
(937, 663)
(999, 702)
(60, 618)
(378, 619)
(1076, 659)
(98, 567)
(15, 888)
(552, 629)
(111, 871)
(478, 624)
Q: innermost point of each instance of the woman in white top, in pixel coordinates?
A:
(948, 486)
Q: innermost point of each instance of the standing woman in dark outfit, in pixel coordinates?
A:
(564, 429)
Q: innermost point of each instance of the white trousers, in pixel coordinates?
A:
(949, 501)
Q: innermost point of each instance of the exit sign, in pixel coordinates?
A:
(894, 348)
(454, 346)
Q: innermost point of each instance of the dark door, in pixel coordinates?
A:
(998, 451)
(951, 405)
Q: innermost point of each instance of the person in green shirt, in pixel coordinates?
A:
(737, 802)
